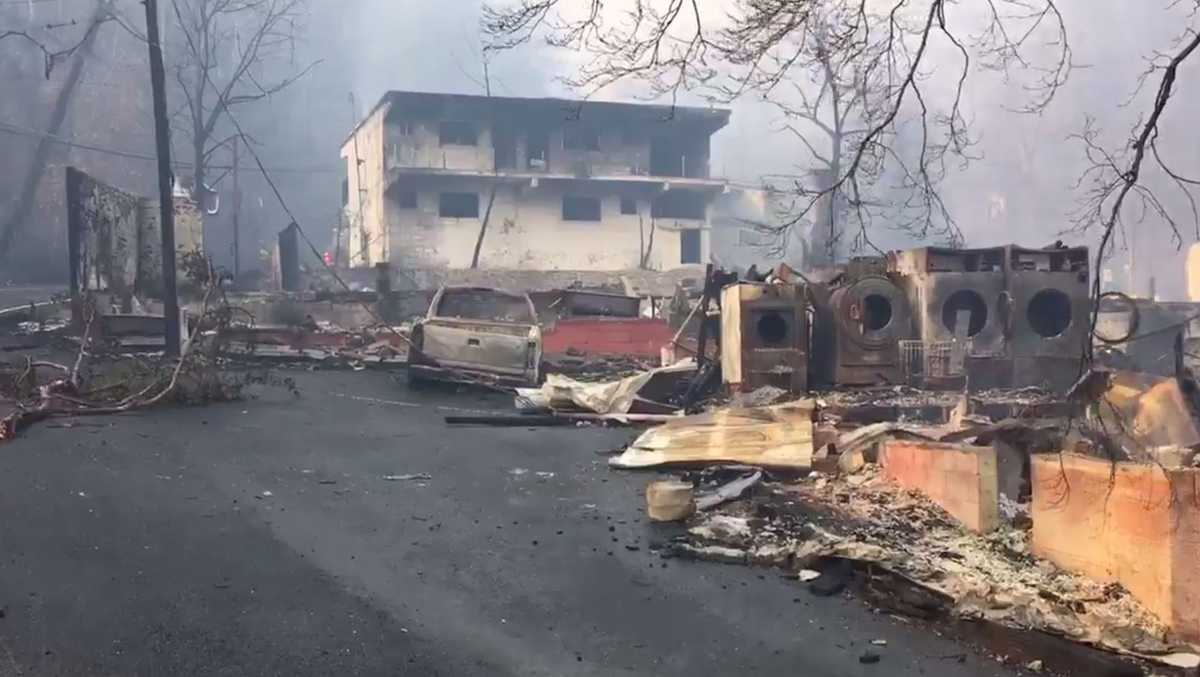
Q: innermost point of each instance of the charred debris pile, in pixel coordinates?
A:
(939, 430)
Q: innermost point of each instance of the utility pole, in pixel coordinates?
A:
(166, 192)
(237, 211)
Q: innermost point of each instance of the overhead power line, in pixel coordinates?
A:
(9, 128)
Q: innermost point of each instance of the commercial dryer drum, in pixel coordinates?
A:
(764, 336)
(1050, 317)
(857, 330)
(961, 293)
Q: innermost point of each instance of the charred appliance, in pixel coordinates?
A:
(764, 336)
(961, 306)
(1050, 320)
(859, 321)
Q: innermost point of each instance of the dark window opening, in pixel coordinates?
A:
(577, 137)
(628, 205)
(536, 146)
(1049, 313)
(678, 204)
(969, 301)
(772, 328)
(675, 156)
(877, 312)
(345, 192)
(689, 246)
(484, 304)
(459, 205)
(406, 199)
(454, 133)
(580, 208)
(505, 142)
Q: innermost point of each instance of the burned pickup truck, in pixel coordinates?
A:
(474, 334)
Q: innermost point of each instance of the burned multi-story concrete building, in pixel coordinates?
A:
(553, 184)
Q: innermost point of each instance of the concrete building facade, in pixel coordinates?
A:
(554, 184)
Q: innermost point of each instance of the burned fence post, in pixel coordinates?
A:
(74, 225)
(289, 258)
(386, 300)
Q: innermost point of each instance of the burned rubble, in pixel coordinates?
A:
(955, 434)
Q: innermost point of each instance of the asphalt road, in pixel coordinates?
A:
(261, 538)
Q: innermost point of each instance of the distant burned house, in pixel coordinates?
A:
(556, 184)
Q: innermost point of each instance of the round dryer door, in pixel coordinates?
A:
(873, 312)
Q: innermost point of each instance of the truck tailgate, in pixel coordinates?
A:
(487, 346)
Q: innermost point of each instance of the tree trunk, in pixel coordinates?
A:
(37, 167)
(199, 170)
(487, 214)
(836, 228)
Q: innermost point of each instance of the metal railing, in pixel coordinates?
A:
(934, 360)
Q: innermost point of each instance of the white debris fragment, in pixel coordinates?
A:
(807, 575)
(1180, 660)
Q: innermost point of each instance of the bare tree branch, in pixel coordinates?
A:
(1115, 180)
(852, 70)
(53, 56)
(228, 46)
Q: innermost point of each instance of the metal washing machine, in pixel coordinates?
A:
(1051, 320)
(859, 321)
(960, 298)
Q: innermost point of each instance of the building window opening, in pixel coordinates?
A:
(628, 205)
(772, 328)
(970, 301)
(877, 312)
(578, 137)
(689, 246)
(455, 133)
(1049, 313)
(678, 204)
(406, 199)
(575, 208)
(458, 205)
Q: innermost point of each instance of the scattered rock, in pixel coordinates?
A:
(869, 657)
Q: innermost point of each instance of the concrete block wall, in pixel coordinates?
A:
(1134, 523)
(962, 479)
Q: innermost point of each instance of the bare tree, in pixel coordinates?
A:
(227, 51)
(827, 107)
(767, 48)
